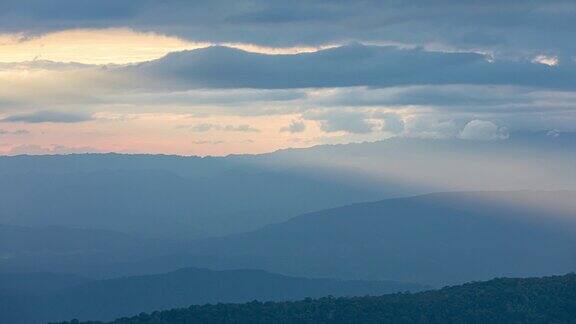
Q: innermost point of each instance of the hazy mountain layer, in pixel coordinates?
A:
(112, 298)
(191, 197)
(433, 239)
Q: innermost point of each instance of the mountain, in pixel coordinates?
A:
(38, 282)
(163, 196)
(107, 299)
(57, 239)
(434, 239)
(72, 250)
(503, 300)
(162, 204)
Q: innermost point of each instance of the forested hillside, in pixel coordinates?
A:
(534, 300)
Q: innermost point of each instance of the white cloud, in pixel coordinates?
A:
(483, 130)
(393, 123)
(430, 126)
(546, 60)
(354, 122)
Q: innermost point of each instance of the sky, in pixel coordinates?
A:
(222, 77)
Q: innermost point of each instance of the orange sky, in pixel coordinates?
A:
(30, 89)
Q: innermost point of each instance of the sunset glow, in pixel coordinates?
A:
(59, 84)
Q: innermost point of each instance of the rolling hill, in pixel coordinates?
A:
(503, 300)
(108, 299)
(72, 250)
(436, 239)
(162, 204)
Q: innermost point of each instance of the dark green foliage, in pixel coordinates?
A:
(534, 300)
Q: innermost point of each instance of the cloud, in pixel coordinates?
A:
(294, 127)
(208, 142)
(33, 149)
(61, 87)
(518, 107)
(56, 87)
(341, 121)
(346, 66)
(516, 26)
(217, 142)
(546, 60)
(483, 130)
(48, 117)
(200, 128)
(209, 97)
(436, 127)
(393, 123)
(448, 96)
(16, 132)
(241, 128)
(110, 46)
(553, 133)
(431, 126)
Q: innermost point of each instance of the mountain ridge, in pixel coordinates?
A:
(549, 299)
(110, 298)
(415, 239)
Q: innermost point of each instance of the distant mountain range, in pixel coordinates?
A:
(73, 250)
(162, 204)
(132, 230)
(435, 239)
(60, 297)
(533, 300)
(162, 196)
(38, 283)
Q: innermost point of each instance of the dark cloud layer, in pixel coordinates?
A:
(519, 26)
(346, 66)
(48, 117)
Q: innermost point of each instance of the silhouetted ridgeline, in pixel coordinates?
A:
(161, 196)
(533, 300)
(438, 239)
(43, 297)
